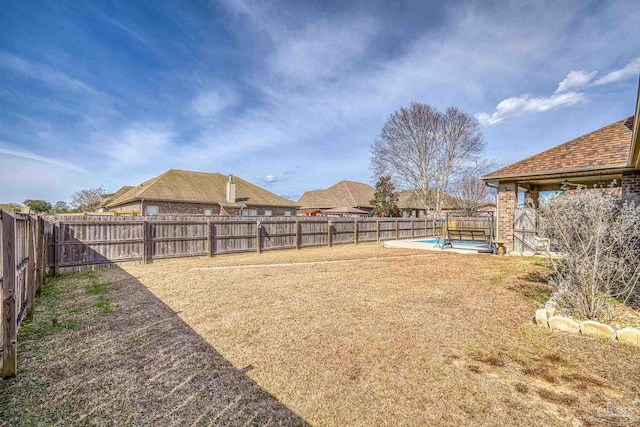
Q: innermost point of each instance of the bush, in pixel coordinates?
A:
(597, 236)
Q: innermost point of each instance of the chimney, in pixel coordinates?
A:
(231, 190)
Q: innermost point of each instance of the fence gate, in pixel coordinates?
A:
(524, 230)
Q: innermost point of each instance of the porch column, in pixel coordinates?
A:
(507, 204)
(631, 183)
(532, 197)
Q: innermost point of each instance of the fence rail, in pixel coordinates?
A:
(79, 243)
(21, 276)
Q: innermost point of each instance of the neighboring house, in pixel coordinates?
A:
(604, 157)
(180, 192)
(345, 194)
(107, 198)
(411, 206)
(351, 194)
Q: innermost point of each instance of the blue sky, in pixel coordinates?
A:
(290, 95)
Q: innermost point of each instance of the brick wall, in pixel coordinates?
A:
(507, 204)
(172, 208)
(196, 209)
(631, 183)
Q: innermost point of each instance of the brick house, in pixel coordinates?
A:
(344, 194)
(358, 195)
(180, 192)
(607, 156)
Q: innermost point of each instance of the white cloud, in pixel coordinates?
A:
(27, 155)
(321, 49)
(632, 69)
(575, 80)
(215, 101)
(138, 144)
(42, 73)
(524, 104)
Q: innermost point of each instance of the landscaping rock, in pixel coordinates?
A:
(541, 318)
(551, 310)
(629, 336)
(597, 329)
(564, 324)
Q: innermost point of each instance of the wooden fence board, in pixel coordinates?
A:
(100, 241)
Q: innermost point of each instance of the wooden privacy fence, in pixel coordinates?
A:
(22, 276)
(77, 244)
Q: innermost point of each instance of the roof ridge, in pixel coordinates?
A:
(353, 199)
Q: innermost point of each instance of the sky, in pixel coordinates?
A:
(291, 95)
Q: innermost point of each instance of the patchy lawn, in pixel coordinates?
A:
(419, 338)
(102, 350)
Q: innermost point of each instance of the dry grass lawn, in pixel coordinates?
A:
(418, 338)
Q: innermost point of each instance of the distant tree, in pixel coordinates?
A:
(60, 207)
(10, 206)
(424, 149)
(384, 198)
(38, 206)
(470, 194)
(88, 199)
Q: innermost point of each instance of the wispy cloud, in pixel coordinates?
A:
(575, 80)
(42, 73)
(210, 103)
(632, 69)
(322, 49)
(27, 155)
(525, 104)
(137, 144)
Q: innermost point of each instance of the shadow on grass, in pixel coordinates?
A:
(102, 349)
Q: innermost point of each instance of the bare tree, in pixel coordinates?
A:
(426, 150)
(470, 194)
(88, 199)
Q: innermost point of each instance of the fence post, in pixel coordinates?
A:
(258, 237)
(40, 255)
(378, 230)
(210, 237)
(425, 227)
(145, 242)
(9, 309)
(413, 232)
(329, 236)
(397, 233)
(298, 234)
(31, 269)
(56, 248)
(355, 231)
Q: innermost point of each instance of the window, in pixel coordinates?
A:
(249, 212)
(153, 210)
(287, 213)
(268, 212)
(208, 212)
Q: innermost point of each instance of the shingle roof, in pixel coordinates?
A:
(122, 190)
(605, 148)
(344, 193)
(199, 187)
(410, 199)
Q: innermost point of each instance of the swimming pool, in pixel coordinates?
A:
(456, 243)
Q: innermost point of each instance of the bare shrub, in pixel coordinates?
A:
(597, 235)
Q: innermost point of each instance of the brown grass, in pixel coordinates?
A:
(439, 339)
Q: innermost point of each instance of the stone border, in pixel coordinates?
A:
(546, 317)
